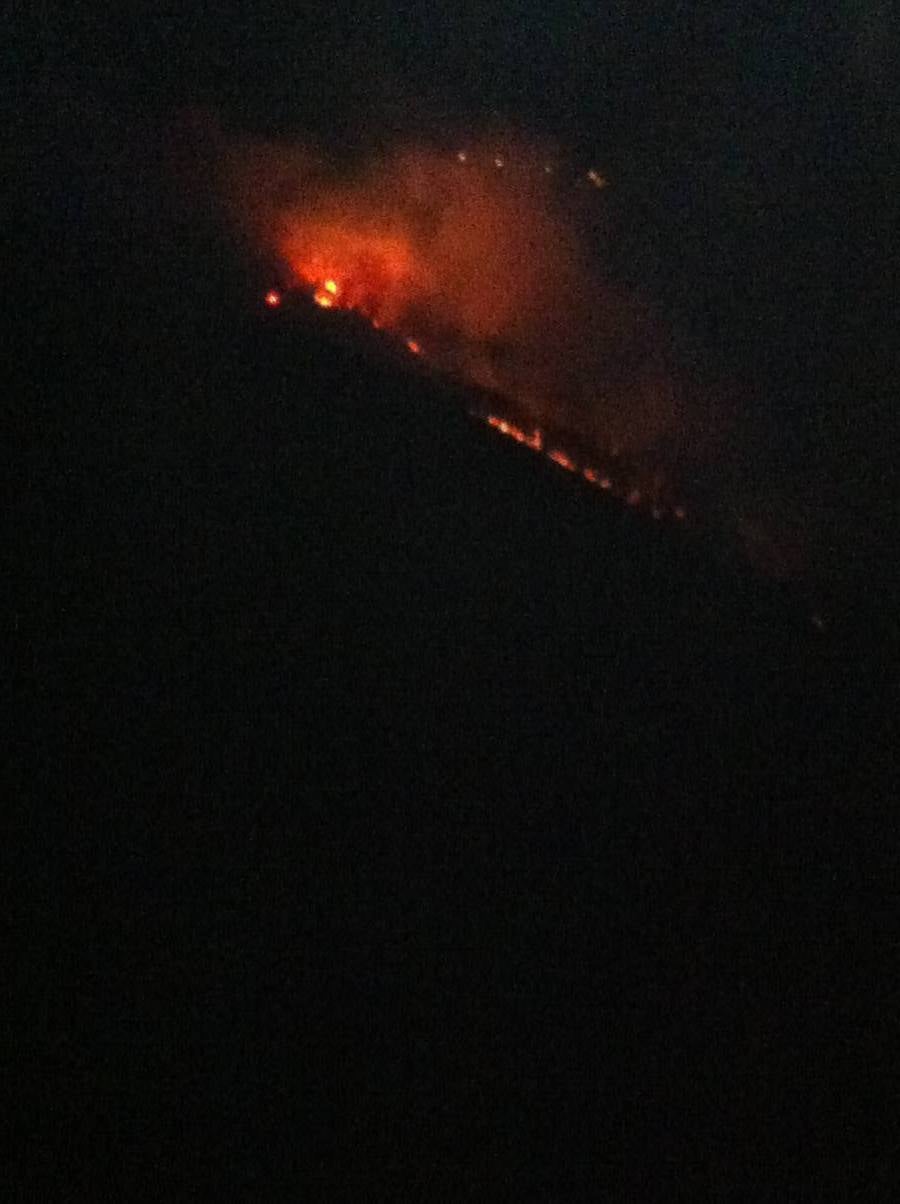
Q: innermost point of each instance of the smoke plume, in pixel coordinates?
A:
(491, 255)
(488, 254)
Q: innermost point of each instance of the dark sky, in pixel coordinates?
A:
(567, 60)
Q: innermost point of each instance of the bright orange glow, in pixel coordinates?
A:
(357, 263)
(562, 460)
(535, 440)
(487, 267)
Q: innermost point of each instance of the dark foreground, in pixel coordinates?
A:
(394, 820)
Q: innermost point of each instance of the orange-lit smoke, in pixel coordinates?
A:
(476, 257)
(485, 257)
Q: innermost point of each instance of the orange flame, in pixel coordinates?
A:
(535, 440)
(564, 461)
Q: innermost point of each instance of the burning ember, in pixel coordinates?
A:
(535, 440)
(562, 460)
(272, 299)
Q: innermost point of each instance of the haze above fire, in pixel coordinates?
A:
(487, 257)
(486, 254)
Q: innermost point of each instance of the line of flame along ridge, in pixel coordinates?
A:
(328, 294)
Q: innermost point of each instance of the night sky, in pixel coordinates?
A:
(392, 819)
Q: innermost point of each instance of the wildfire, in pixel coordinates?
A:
(328, 293)
(330, 290)
(443, 260)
